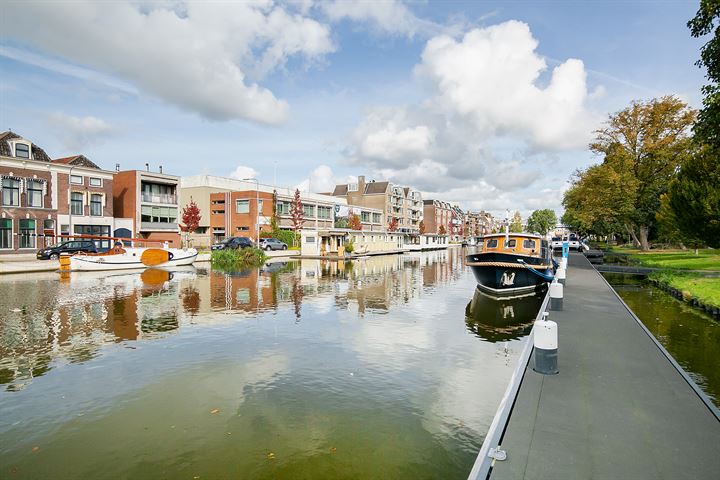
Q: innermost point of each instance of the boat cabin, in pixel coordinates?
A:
(516, 244)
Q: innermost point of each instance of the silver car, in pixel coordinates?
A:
(272, 244)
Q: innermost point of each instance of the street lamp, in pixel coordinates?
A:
(257, 209)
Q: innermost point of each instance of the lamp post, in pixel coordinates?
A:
(257, 208)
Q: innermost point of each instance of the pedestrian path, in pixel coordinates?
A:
(618, 409)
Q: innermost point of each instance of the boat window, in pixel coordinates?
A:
(511, 243)
(529, 244)
(556, 239)
(492, 243)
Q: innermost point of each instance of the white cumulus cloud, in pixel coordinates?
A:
(76, 133)
(322, 180)
(391, 16)
(494, 114)
(199, 56)
(242, 172)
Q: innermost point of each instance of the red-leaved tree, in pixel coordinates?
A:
(297, 214)
(354, 222)
(393, 226)
(442, 230)
(422, 227)
(190, 218)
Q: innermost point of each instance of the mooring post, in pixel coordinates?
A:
(545, 341)
(561, 275)
(556, 296)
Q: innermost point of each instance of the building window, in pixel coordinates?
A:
(243, 229)
(96, 231)
(365, 217)
(11, 192)
(150, 214)
(22, 150)
(352, 187)
(309, 239)
(283, 208)
(158, 193)
(96, 205)
(5, 233)
(260, 207)
(242, 206)
(76, 179)
(324, 213)
(95, 182)
(48, 224)
(76, 203)
(376, 218)
(34, 193)
(309, 211)
(27, 233)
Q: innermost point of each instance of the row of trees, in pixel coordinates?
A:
(660, 175)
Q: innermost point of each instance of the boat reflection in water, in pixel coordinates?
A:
(498, 319)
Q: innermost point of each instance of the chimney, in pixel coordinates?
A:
(160, 168)
(147, 167)
(117, 167)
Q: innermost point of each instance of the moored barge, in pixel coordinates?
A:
(511, 263)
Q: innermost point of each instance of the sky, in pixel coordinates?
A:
(490, 105)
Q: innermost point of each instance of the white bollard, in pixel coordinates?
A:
(563, 262)
(556, 296)
(545, 340)
(561, 275)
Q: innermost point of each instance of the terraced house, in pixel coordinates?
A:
(404, 204)
(42, 198)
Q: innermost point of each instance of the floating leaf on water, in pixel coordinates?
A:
(215, 410)
(35, 449)
(333, 449)
(271, 456)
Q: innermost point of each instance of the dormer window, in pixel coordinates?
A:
(22, 150)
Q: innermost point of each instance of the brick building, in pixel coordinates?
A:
(150, 200)
(437, 213)
(43, 198)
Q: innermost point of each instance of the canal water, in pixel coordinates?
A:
(692, 337)
(388, 367)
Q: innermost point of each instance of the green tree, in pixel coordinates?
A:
(707, 127)
(516, 223)
(694, 196)
(541, 221)
(649, 140)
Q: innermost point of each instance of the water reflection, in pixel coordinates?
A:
(357, 370)
(71, 319)
(498, 319)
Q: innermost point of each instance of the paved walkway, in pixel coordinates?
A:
(618, 409)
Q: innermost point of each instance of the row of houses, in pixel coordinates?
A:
(44, 199)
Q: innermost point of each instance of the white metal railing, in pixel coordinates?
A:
(159, 197)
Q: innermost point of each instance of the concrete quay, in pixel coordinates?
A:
(620, 406)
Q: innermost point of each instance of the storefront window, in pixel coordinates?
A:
(6, 233)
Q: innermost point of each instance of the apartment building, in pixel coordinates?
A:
(478, 223)
(402, 204)
(436, 214)
(150, 200)
(231, 207)
(43, 198)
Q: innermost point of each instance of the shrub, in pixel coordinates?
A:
(349, 247)
(239, 258)
(286, 236)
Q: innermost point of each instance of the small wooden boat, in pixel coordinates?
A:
(511, 263)
(121, 258)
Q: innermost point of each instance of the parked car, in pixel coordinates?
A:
(233, 243)
(272, 244)
(72, 246)
(556, 243)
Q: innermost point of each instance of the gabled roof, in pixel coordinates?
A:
(38, 153)
(79, 160)
(340, 190)
(376, 187)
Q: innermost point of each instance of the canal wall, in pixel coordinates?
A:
(620, 406)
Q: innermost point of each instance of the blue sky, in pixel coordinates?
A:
(457, 98)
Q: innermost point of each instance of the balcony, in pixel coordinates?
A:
(158, 227)
(165, 198)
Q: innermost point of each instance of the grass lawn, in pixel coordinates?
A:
(707, 290)
(706, 259)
